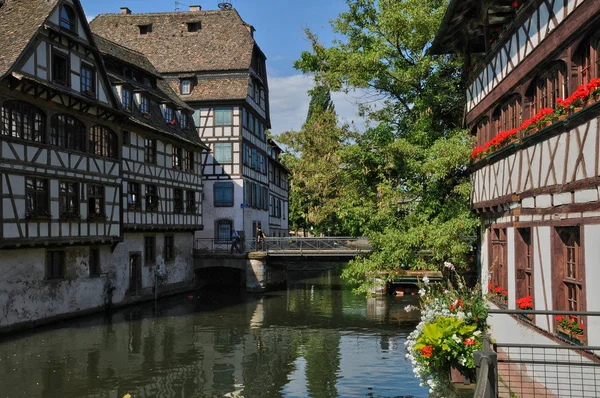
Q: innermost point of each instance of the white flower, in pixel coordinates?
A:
(456, 338)
(460, 315)
(462, 360)
(425, 280)
(449, 265)
(476, 333)
(422, 292)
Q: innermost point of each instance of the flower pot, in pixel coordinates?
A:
(562, 117)
(527, 317)
(566, 334)
(461, 374)
(577, 109)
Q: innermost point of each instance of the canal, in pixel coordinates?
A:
(314, 339)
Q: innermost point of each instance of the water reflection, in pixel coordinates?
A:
(315, 339)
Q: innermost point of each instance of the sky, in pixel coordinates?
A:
(279, 32)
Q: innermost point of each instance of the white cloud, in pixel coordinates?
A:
(289, 103)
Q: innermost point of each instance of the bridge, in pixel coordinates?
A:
(288, 247)
(263, 267)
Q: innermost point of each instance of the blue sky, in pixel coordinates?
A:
(279, 28)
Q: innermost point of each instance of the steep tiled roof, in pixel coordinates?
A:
(215, 87)
(126, 55)
(19, 22)
(222, 43)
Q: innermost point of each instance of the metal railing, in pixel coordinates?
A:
(561, 369)
(288, 246)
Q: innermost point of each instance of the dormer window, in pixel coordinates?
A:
(145, 29)
(126, 99)
(186, 87)
(67, 17)
(169, 116)
(184, 120)
(145, 106)
(193, 26)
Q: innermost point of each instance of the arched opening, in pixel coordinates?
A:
(67, 132)
(21, 120)
(103, 142)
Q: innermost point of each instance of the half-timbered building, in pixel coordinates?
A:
(531, 109)
(70, 149)
(278, 192)
(211, 60)
(161, 173)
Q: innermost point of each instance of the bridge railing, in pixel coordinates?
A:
(288, 245)
(566, 367)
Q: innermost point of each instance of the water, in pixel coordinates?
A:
(315, 339)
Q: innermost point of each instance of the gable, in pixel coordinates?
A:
(61, 52)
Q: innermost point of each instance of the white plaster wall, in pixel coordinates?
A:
(511, 262)
(542, 274)
(592, 281)
(507, 330)
(26, 295)
(483, 259)
(178, 270)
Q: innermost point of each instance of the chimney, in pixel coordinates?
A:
(195, 8)
(125, 11)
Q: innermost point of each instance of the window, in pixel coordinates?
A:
(568, 270)
(177, 200)
(223, 153)
(190, 202)
(223, 230)
(103, 142)
(169, 248)
(126, 96)
(193, 26)
(223, 117)
(68, 132)
(126, 138)
(134, 200)
(88, 81)
(67, 18)
(482, 131)
(499, 266)
(55, 264)
(223, 194)
(189, 161)
(152, 199)
(145, 106)
(177, 158)
(150, 150)
(186, 87)
(149, 249)
(145, 29)
(184, 120)
(36, 195)
(21, 120)
(95, 200)
(94, 262)
(68, 199)
(524, 262)
(508, 115)
(169, 115)
(60, 69)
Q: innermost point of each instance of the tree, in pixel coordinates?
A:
(320, 101)
(404, 182)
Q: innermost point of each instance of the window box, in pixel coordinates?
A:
(70, 216)
(145, 115)
(90, 93)
(127, 109)
(36, 215)
(172, 123)
(96, 217)
(570, 336)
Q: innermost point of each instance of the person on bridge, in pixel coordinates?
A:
(235, 239)
(260, 238)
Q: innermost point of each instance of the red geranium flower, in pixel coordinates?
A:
(470, 341)
(427, 350)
